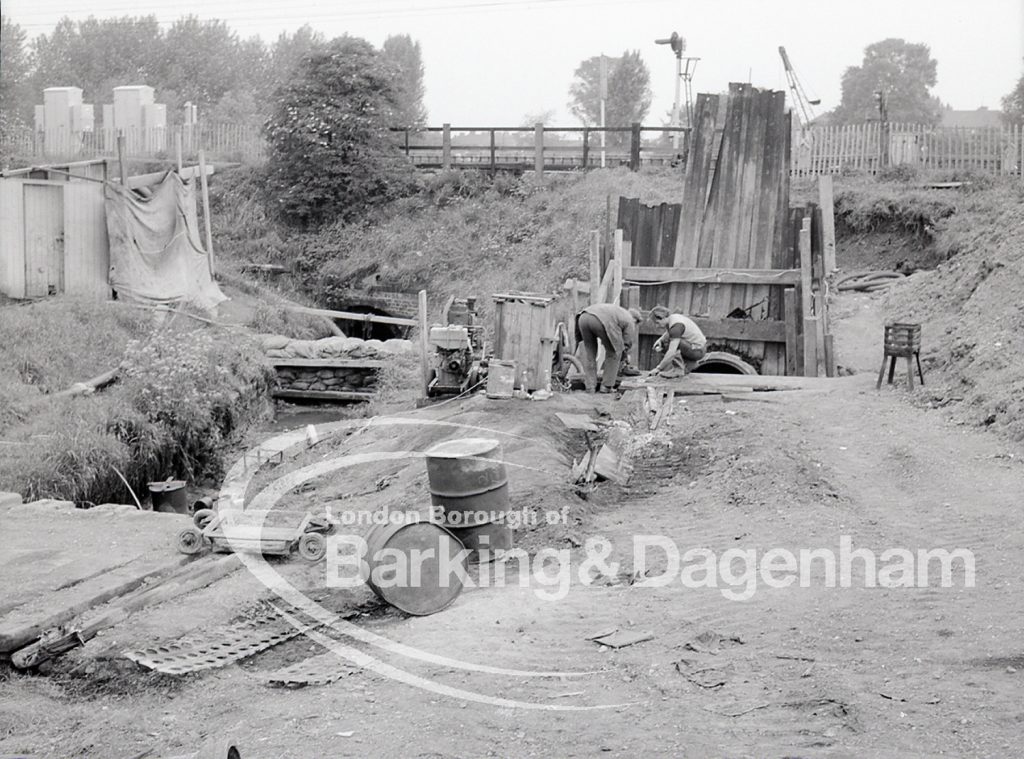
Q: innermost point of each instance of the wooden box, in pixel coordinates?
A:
(525, 333)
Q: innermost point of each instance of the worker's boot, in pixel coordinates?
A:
(628, 370)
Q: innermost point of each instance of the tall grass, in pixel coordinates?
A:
(181, 391)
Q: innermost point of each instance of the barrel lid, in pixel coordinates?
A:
(161, 487)
(463, 447)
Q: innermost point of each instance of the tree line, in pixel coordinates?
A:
(204, 62)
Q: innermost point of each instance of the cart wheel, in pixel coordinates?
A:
(190, 541)
(312, 546)
(203, 517)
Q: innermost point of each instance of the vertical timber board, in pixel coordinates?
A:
(713, 216)
(12, 238)
(44, 238)
(696, 181)
(828, 222)
(810, 337)
(595, 265)
(794, 361)
(424, 340)
(86, 247)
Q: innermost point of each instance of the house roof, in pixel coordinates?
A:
(980, 118)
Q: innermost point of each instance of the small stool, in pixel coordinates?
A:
(902, 341)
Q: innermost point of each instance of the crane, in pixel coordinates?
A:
(806, 114)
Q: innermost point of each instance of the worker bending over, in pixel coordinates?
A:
(615, 328)
(683, 343)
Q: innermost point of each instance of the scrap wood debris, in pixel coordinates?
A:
(616, 638)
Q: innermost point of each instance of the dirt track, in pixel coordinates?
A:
(815, 671)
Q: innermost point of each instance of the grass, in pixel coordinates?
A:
(182, 390)
(970, 307)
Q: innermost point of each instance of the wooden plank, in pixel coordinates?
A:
(810, 352)
(625, 260)
(577, 421)
(792, 349)
(615, 288)
(661, 274)
(424, 330)
(696, 182)
(17, 631)
(326, 363)
(595, 265)
(144, 180)
(732, 329)
(830, 356)
(828, 222)
(353, 316)
(321, 395)
(729, 382)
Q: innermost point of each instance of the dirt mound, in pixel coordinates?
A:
(970, 309)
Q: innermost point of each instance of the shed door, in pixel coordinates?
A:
(44, 240)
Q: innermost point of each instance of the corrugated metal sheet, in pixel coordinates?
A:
(86, 248)
(12, 239)
(53, 236)
(44, 238)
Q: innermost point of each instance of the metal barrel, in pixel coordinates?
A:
(430, 591)
(469, 483)
(487, 540)
(468, 476)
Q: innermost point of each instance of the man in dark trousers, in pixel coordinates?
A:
(614, 328)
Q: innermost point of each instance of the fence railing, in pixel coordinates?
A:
(870, 147)
(239, 142)
(876, 146)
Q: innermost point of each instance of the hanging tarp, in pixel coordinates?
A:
(155, 251)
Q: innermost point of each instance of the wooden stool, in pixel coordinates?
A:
(902, 341)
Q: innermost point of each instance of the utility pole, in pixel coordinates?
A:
(603, 88)
(678, 44)
(689, 67)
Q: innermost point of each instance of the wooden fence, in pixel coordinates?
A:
(226, 142)
(817, 150)
(875, 146)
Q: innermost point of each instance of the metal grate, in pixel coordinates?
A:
(217, 649)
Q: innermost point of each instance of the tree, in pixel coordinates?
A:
(1013, 104)
(202, 60)
(98, 54)
(904, 71)
(330, 153)
(629, 91)
(287, 53)
(14, 97)
(404, 55)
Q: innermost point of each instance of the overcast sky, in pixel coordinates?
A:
(494, 62)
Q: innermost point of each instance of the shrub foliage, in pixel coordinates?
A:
(330, 152)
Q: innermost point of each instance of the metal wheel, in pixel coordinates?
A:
(190, 541)
(203, 517)
(312, 546)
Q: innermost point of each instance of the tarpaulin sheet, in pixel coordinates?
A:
(155, 250)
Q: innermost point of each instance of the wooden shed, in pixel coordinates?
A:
(53, 231)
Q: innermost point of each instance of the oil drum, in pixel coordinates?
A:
(468, 476)
(428, 593)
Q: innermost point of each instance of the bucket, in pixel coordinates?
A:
(493, 537)
(468, 475)
(501, 379)
(169, 497)
(433, 592)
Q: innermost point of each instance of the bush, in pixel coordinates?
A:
(330, 152)
(180, 395)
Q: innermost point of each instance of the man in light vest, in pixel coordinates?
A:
(683, 343)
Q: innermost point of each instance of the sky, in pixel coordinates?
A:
(502, 62)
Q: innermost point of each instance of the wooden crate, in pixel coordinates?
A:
(525, 333)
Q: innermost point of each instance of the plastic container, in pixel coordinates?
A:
(501, 379)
